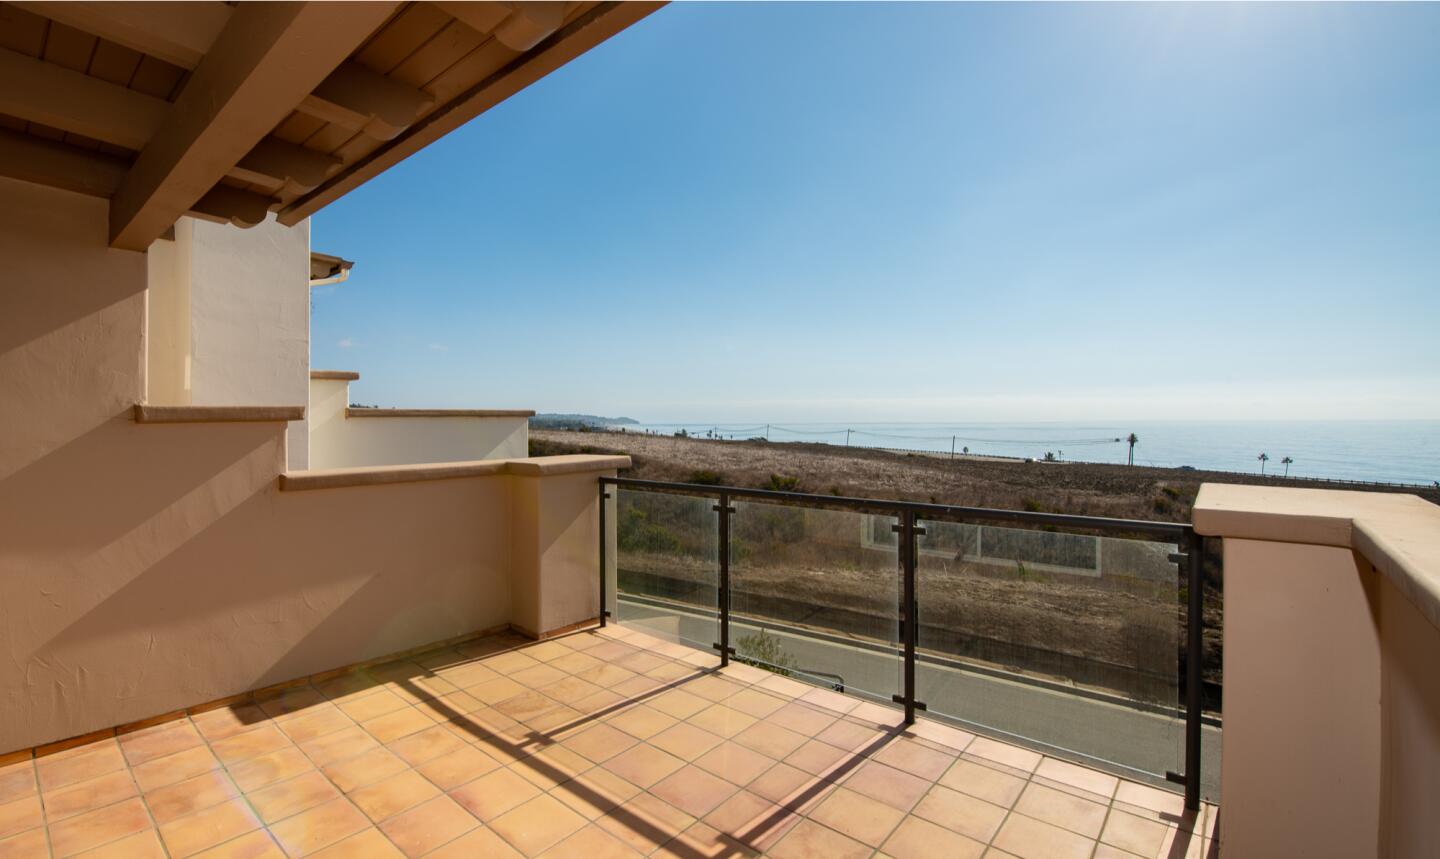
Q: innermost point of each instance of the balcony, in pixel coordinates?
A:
(601, 742)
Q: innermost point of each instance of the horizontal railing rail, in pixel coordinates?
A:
(910, 517)
(919, 508)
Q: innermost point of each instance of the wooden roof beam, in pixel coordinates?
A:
(32, 159)
(53, 95)
(268, 58)
(518, 26)
(295, 167)
(580, 35)
(529, 23)
(179, 33)
(84, 171)
(482, 17)
(359, 99)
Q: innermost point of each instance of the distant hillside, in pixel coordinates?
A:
(567, 421)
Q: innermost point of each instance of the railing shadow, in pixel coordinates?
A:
(525, 751)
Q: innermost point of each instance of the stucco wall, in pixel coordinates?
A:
(145, 568)
(250, 319)
(229, 317)
(1332, 697)
(1302, 703)
(167, 341)
(1410, 745)
(340, 442)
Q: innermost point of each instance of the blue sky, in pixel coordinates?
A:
(925, 212)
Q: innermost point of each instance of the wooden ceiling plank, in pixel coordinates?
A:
(330, 138)
(44, 92)
(447, 48)
(156, 77)
(69, 47)
(267, 59)
(179, 33)
(356, 148)
(402, 37)
(114, 63)
(480, 64)
(297, 127)
(29, 159)
(570, 41)
(362, 100)
(22, 30)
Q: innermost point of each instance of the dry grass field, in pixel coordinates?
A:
(1128, 492)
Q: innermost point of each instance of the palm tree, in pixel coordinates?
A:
(1134, 440)
(1287, 462)
(1264, 458)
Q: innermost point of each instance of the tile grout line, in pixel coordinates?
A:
(140, 794)
(40, 798)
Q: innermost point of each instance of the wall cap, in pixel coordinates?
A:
(148, 414)
(1399, 534)
(550, 466)
(439, 413)
(374, 475)
(334, 375)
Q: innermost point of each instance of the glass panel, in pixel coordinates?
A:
(815, 594)
(1069, 640)
(667, 565)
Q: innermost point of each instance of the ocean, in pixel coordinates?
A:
(1382, 451)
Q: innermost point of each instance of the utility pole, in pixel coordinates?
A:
(847, 438)
(767, 432)
(952, 447)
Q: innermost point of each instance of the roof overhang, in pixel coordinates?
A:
(325, 268)
(230, 112)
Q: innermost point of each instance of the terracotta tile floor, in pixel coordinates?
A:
(603, 743)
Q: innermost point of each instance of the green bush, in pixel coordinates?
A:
(706, 477)
(779, 483)
(635, 532)
(763, 650)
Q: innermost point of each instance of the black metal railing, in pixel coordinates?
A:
(909, 526)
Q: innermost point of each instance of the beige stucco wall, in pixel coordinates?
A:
(1332, 695)
(149, 567)
(1302, 703)
(250, 319)
(555, 549)
(340, 442)
(1410, 744)
(167, 340)
(229, 319)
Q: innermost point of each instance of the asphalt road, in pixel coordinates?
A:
(1130, 741)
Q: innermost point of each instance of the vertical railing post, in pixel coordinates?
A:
(724, 509)
(909, 625)
(1194, 668)
(604, 538)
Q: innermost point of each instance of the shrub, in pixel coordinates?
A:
(706, 477)
(636, 532)
(763, 650)
(1030, 505)
(779, 483)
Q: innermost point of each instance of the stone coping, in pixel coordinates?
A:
(1399, 534)
(439, 413)
(334, 375)
(147, 414)
(540, 466)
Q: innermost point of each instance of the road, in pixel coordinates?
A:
(1127, 740)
